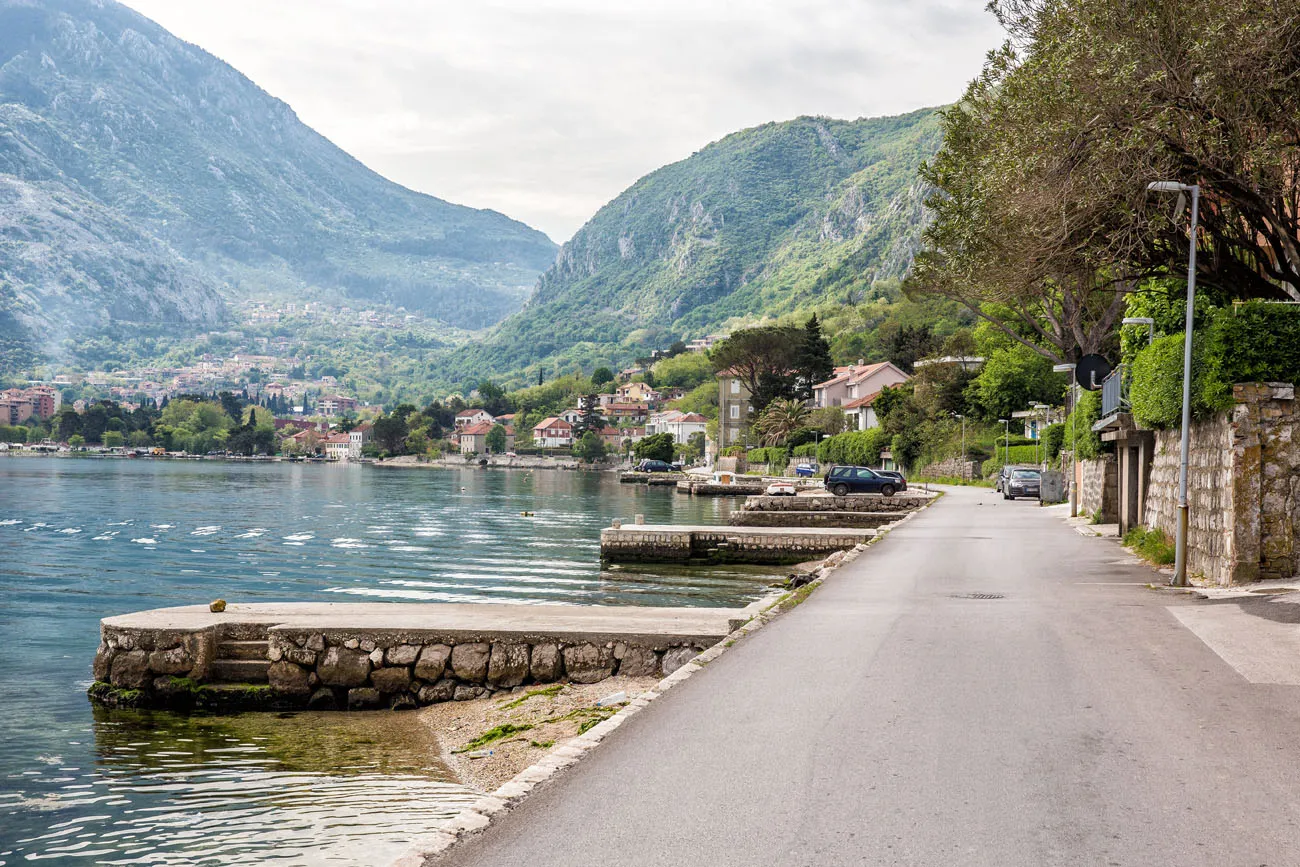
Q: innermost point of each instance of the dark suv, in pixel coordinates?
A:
(648, 466)
(1021, 483)
(842, 481)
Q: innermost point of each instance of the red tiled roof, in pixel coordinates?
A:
(862, 401)
(552, 422)
(692, 416)
(470, 413)
(477, 429)
(338, 439)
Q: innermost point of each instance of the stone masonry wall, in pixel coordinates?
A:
(346, 670)
(853, 503)
(1099, 488)
(1209, 495)
(1243, 487)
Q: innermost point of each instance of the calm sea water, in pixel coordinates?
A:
(84, 539)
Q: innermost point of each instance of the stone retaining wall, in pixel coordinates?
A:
(852, 503)
(338, 669)
(708, 489)
(746, 518)
(724, 545)
(1099, 488)
(1243, 487)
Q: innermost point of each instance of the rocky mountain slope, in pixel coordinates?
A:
(766, 221)
(143, 180)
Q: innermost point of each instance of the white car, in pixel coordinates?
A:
(781, 489)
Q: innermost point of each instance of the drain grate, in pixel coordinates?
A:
(978, 596)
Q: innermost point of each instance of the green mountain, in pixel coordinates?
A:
(145, 182)
(764, 222)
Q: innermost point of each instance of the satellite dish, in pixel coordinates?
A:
(1091, 371)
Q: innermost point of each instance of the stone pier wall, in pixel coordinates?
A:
(853, 503)
(757, 545)
(354, 670)
(1243, 487)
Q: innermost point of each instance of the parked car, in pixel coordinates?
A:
(781, 489)
(648, 466)
(842, 481)
(806, 470)
(1022, 482)
(1003, 475)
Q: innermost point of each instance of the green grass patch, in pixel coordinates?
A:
(542, 745)
(1151, 545)
(554, 689)
(493, 735)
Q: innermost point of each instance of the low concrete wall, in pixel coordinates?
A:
(708, 489)
(664, 479)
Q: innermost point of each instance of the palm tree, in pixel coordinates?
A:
(781, 419)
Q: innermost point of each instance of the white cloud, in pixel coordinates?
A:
(547, 109)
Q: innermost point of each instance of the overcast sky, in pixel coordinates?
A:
(547, 109)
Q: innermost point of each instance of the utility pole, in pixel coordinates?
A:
(1180, 543)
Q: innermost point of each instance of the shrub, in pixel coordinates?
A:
(862, 447)
(808, 450)
(1053, 438)
(1254, 342)
(775, 458)
(1151, 545)
(1080, 425)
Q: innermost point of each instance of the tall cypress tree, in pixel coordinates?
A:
(814, 362)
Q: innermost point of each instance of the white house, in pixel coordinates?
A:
(553, 433)
(857, 381)
(572, 416)
(859, 413)
(680, 424)
(468, 417)
(338, 447)
(357, 438)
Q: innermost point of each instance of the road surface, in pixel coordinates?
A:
(890, 720)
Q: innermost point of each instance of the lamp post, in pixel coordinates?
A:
(1006, 440)
(1039, 418)
(963, 442)
(1074, 445)
(1180, 543)
(1143, 320)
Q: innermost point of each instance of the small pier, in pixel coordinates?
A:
(744, 488)
(671, 543)
(355, 656)
(653, 479)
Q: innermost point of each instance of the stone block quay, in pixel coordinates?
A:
(671, 543)
(401, 655)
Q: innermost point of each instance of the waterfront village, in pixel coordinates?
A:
(675, 406)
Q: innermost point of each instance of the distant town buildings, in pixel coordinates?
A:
(682, 425)
(17, 405)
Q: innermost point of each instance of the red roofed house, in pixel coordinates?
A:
(627, 412)
(468, 417)
(680, 424)
(553, 433)
(358, 437)
(859, 414)
(612, 437)
(473, 439)
(856, 382)
(338, 447)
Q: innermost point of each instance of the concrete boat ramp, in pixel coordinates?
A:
(399, 655)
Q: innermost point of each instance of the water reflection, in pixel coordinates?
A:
(303, 788)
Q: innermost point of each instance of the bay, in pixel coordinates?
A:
(81, 539)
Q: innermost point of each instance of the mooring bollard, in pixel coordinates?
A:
(616, 524)
(640, 519)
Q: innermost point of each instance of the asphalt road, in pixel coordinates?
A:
(887, 720)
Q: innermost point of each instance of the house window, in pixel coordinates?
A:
(735, 386)
(735, 410)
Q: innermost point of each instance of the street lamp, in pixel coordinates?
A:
(1180, 543)
(1006, 440)
(1040, 418)
(1074, 444)
(963, 442)
(1143, 320)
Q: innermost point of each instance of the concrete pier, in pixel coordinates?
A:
(363, 655)
(669, 543)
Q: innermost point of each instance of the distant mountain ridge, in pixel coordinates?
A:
(144, 180)
(763, 222)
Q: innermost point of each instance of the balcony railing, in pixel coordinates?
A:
(1114, 392)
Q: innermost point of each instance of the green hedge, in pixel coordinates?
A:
(1253, 342)
(776, 458)
(861, 447)
(807, 450)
